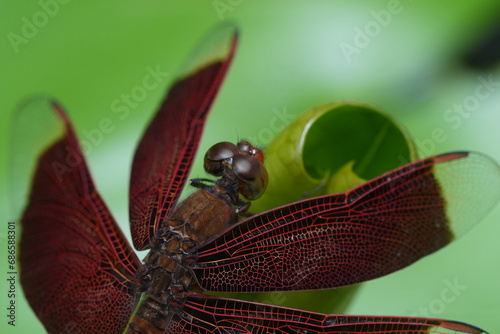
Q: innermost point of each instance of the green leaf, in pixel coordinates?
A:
(344, 179)
(330, 145)
(330, 148)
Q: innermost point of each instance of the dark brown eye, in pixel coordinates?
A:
(218, 155)
(251, 174)
(221, 151)
(245, 167)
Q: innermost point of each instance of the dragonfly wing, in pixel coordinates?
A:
(204, 314)
(370, 231)
(77, 268)
(165, 154)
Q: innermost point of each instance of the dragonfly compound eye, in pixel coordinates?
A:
(218, 156)
(252, 176)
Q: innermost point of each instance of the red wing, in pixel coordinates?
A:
(204, 314)
(77, 268)
(163, 159)
(336, 240)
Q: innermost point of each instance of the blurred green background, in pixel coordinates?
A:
(409, 63)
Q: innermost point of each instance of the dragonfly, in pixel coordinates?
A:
(81, 275)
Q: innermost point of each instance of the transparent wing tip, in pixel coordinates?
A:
(470, 183)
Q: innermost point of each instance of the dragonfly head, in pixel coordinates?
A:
(242, 162)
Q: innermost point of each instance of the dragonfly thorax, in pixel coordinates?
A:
(165, 276)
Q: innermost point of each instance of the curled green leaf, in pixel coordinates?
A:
(329, 149)
(309, 157)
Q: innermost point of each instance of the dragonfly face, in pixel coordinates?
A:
(80, 274)
(243, 162)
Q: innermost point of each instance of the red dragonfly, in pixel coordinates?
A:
(80, 274)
